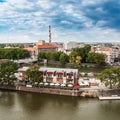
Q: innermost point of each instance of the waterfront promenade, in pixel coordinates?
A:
(56, 91)
(93, 92)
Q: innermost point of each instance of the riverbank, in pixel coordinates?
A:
(81, 92)
(56, 91)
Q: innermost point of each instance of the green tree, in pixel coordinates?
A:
(78, 60)
(13, 53)
(41, 55)
(55, 56)
(83, 52)
(7, 71)
(111, 77)
(95, 58)
(72, 56)
(63, 58)
(33, 75)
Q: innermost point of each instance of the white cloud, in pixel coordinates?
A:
(68, 9)
(46, 4)
(91, 2)
(28, 20)
(101, 23)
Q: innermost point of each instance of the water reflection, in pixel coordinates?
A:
(35, 106)
(34, 101)
(7, 99)
(110, 109)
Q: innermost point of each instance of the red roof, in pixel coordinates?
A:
(45, 46)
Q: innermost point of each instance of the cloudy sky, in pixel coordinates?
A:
(71, 20)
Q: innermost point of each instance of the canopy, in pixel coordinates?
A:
(70, 85)
(52, 84)
(41, 83)
(57, 84)
(45, 83)
(63, 85)
(76, 86)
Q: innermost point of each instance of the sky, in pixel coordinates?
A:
(70, 20)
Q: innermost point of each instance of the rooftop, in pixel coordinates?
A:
(46, 46)
(58, 69)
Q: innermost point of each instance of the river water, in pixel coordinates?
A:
(35, 106)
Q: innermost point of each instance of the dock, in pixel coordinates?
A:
(109, 98)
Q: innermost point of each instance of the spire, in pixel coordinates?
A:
(49, 34)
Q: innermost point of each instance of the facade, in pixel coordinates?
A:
(21, 72)
(41, 46)
(31, 50)
(110, 53)
(60, 75)
(59, 45)
(71, 45)
(55, 75)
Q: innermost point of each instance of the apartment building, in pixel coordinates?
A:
(110, 52)
(60, 75)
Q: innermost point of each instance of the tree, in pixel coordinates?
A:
(63, 58)
(7, 71)
(74, 58)
(111, 77)
(78, 60)
(83, 52)
(13, 53)
(33, 75)
(95, 58)
(55, 56)
(41, 55)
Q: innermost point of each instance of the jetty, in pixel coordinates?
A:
(109, 94)
(109, 98)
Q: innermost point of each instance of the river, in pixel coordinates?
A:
(35, 106)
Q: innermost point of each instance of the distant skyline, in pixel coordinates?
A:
(70, 20)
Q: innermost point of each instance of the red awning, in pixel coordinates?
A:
(76, 86)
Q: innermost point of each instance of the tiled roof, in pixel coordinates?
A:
(45, 46)
(105, 49)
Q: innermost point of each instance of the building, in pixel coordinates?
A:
(31, 51)
(41, 46)
(54, 75)
(71, 45)
(60, 75)
(59, 45)
(20, 74)
(111, 53)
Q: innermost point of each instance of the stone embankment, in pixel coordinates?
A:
(89, 92)
(56, 91)
(83, 92)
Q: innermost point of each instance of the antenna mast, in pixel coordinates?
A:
(49, 34)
